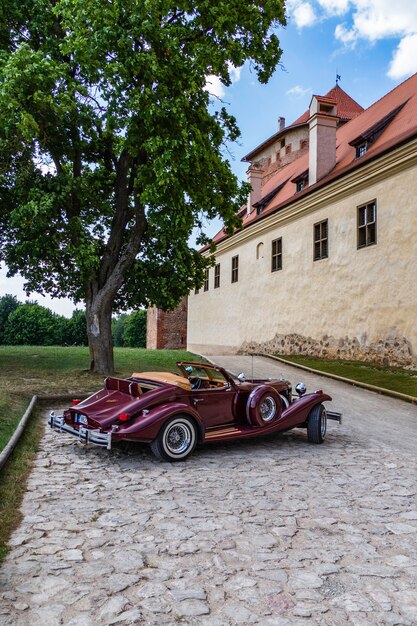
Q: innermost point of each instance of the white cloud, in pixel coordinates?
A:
(334, 7)
(299, 92)
(404, 61)
(303, 14)
(374, 20)
(366, 20)
(215, 86)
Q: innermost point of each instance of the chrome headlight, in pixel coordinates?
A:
(300, 388)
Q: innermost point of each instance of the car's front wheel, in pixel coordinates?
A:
(317, 424)
(176, 439)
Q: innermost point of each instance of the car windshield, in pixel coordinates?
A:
(209, 374)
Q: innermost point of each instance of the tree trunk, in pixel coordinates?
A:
(100, 342)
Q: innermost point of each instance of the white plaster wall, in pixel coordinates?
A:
(369, 293)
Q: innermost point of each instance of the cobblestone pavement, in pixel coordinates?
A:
(273, 531)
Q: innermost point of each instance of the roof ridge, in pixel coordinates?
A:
(393, 89)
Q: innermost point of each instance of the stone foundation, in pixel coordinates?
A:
(392, 351)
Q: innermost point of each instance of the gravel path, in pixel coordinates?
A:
(273, 531)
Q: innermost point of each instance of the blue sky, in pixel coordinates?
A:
(371, 44)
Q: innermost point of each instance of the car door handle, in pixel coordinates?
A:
(195, 400)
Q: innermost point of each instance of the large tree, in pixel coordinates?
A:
(109, 151)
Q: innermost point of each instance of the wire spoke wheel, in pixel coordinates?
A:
(176, 439)
(268, 408)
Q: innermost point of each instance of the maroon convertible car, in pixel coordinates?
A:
(202, 405)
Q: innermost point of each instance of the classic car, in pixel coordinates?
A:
(203, 404)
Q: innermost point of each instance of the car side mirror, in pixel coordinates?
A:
(241, 377)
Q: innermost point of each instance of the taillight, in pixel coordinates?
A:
(75, 402)
(123, 417)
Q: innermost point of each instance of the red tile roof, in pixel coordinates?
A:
(347, 108)
(401, 127)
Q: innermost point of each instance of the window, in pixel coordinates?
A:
(320, 240)
(367, 224)
(235, 269)
(361, 150)
(300, 181)
(217, 275)
(260, 250)
(288, 149)
(276, 255)
(206, 280)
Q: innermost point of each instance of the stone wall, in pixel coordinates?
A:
(395, 351)
(167, 329)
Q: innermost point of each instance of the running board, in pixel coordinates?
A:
(334, 415)
(230, 432)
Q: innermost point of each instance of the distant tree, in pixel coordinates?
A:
(8, 304)
(35, 325)
(135, 330)
(76, 329)
(118, 329)
(109, 154)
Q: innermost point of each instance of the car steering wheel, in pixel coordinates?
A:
(195, 382)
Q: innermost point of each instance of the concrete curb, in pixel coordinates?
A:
(349, 381)
(6, 452)
(8, 449)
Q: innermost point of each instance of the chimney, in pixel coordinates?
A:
(255, 175)
(281, 123)
(322, 136)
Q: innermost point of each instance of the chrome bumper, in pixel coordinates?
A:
(334, 415)
(87, 435)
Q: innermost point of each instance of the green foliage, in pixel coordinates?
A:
(8, 304)
(35, 325)
(109, 155)
(76, 330)
(135, 330)
(118, 330)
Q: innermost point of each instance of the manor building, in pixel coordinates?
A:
(324, 263)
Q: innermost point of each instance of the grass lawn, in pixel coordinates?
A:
(393, 378)
(29, 370)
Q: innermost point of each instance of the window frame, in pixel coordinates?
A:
(206, 280)
(369, 227)
(217, 276)
(276, 255)
(321, 242)
(235, 269)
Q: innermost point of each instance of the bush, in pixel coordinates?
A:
(76, 330)
(135, 330)
(8, 304)
(118, 330)
(35, 325)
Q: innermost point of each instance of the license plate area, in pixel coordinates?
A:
(80, 419)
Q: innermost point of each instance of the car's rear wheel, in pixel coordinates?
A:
(317, 424)
(176, 440)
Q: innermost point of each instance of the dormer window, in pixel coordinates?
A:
(365, 140)
(361, 149)
(300, 181)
